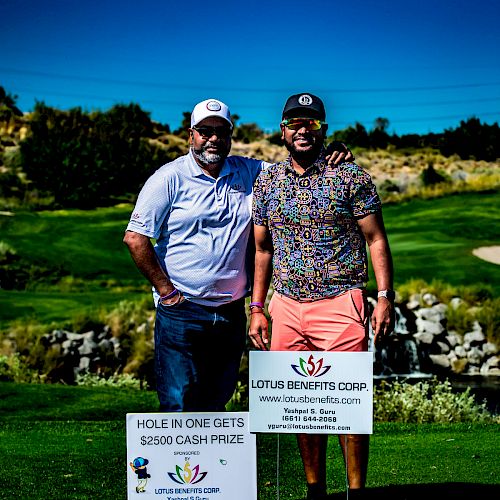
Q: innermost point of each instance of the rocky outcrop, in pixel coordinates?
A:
(421, 343)
(78, 353)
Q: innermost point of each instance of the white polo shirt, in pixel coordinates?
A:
(201, 226)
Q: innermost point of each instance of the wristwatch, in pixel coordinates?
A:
(388, 294)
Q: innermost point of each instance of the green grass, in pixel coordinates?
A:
(430, 240)
(434, 239)
(69, 442)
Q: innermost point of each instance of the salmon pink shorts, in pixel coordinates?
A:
(337, 323)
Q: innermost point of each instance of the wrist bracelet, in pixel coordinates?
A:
(256, 304)
(169, 295)
(256, 312)
(173, 303)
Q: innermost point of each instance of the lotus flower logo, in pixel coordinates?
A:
(311, 368)
(187, 475)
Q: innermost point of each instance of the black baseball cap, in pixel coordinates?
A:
(304, 105)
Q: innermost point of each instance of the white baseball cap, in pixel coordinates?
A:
(210, 107)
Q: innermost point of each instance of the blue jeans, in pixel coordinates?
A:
(197, 354)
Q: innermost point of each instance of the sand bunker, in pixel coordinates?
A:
(490, 254)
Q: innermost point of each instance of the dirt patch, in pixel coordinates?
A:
(490, 254)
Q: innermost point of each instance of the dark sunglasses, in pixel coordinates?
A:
(210, 131)
(298, 123)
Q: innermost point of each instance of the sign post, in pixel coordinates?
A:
(191, 456)
(311, 392)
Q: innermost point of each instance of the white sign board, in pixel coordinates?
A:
(311, 392)
(191, 456)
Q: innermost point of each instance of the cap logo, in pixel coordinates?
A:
(305, 100)
(213, 106)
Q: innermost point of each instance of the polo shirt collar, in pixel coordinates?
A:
(196, 171)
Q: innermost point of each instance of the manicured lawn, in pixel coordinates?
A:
(69, 442)
(430, 239)
(434, 239)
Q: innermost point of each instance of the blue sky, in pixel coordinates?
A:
(424, 65)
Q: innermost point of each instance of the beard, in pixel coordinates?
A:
(307, 153)
(203, 156)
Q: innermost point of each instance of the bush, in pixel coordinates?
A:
(14, 369)
(427, 402)
(120, 380)
(86, 160)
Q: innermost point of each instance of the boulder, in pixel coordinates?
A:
(473, 370)
(475, 355)
(424, 337)
(87, 347)
(453, 339)
(445, 348)
(429, 299)
(474, 337)
(455, 302)
(440, 360)
(434, 313)
(489, 348)
(424, 325)
(413, 304)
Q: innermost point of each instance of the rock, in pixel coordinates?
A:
(474, 336)
(429, 326)
(476, 327)
(84, 364)
(455, 302)
(473, 370)
(434, 314)
(493, 362)
(105, 345)
(453, 339)
(424, 337)
(87, 348)
(440, 360)
(413, 304)
(475, 356)
(74, 336)
(67, 344)
(429, 299)
(489, 348)
(458, 365)
(460, 351)
(59, 335)
(445, 348)
(88, 335)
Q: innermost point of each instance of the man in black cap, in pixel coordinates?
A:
(311, 224)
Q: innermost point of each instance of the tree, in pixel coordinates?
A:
(353, 136)
(8, 106)
(85, 160)
(379, 138)
(472, 139)
(247, 133)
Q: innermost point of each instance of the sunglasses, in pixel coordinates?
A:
(298, 123)
(210, 131)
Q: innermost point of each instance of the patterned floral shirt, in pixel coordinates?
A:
(319, 249)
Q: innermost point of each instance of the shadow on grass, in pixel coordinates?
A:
(456, 491)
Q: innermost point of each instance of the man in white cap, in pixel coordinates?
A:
(198, 208)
